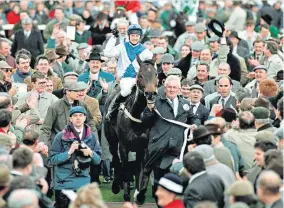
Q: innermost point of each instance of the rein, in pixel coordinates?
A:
(127, 113)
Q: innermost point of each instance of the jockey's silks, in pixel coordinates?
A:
(132, 51)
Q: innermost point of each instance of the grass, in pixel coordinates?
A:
(108, 196)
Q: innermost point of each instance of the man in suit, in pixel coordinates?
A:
(226, 99)
(269, 184)
(166, 138)
(58, 65)
(237, 49)
(95, 76)
(223, 69)
(29, 39)
(256, 57)
(202, 186)
(198, 109)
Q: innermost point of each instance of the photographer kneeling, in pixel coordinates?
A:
(72, 152)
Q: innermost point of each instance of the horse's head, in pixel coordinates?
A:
(147, 79)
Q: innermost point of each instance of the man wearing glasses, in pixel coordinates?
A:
(7, 72)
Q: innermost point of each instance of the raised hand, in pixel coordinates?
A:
(115, 33)
(104, 84)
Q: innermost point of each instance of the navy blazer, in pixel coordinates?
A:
(202, 113)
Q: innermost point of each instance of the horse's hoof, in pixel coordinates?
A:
(115, 187)
(126, 197)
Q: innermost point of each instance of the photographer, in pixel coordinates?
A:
(72, 152)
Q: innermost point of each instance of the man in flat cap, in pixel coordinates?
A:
(167, 61)
(198, 109)
(29, 39)
(80, 64)
(262, 119)
(260, 73)
(200, 33)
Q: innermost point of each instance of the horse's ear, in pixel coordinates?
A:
(139, 60)
(154, 58)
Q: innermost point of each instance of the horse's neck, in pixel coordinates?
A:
(138, 103)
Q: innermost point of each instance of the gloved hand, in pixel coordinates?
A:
(115, 33)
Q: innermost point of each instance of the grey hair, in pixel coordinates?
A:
(21, 198)
(111, 60)
(122, 21)
(225, 65)
(172, 78)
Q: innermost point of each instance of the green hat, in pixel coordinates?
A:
(77, 109)
(199, 27)
(174, 71)
(261, 113)
(5, 140)
(239, 205)
(264, 136)
(197, 46)
(214, 38)
(241, 188)
(167, 58)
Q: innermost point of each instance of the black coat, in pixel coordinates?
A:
(99, 36)
(242, 51)
(205, 187)
(235, 65)
(184, 64)
(166, 139)
(202, 113)
(33, 44)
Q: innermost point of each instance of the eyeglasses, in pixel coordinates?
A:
(7, 70)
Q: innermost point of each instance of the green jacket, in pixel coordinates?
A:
(272, 29)
(84, 38)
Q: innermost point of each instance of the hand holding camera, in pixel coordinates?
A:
(74, 146)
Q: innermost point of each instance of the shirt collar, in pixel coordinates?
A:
(196, 175)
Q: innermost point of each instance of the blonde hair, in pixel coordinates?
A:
(89, 195)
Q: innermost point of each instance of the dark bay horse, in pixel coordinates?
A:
(125, 132)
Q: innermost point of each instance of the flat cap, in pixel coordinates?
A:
(5, 176)
(241, 188)
(155, 33)
(174, 71)
(167, 58)
(260, 67)
(158, 50)
(75, 17)
(261, 113)
(214, 38)
(196, 87)
(189, 23)
(206, 151)
(77, 109)
(197, 46)
(239, 205)
(199, 27)
(75, 86)
(27, 20)
(70, 74)
(5, 65)
(279, 133)
(82, 46)
(265, 136)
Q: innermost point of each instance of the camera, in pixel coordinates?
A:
(81, 162)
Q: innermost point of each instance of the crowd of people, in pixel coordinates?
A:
(224, 84)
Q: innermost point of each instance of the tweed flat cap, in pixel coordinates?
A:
(261, 113)
(260, 67)
(167, 58)
(189, 23)
(82, 46)
(158, 50)
(197, 46)
(174, 71)
(199, 27)
(206, 151)
(67, 74)
(196, 87)
(75, 86)
(241, 188)
(265, 136)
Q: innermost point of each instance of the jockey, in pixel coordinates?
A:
(127, 63)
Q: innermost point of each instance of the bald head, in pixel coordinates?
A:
(218, 121)
(269, 182)
(23, 198)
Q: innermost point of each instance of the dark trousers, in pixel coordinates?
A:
(61, 199)
(158, 174)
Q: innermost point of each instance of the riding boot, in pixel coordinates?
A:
(113, 107)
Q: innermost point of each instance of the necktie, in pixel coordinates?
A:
(191, 108)
(223, 102)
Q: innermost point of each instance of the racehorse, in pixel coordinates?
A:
(125, 132)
